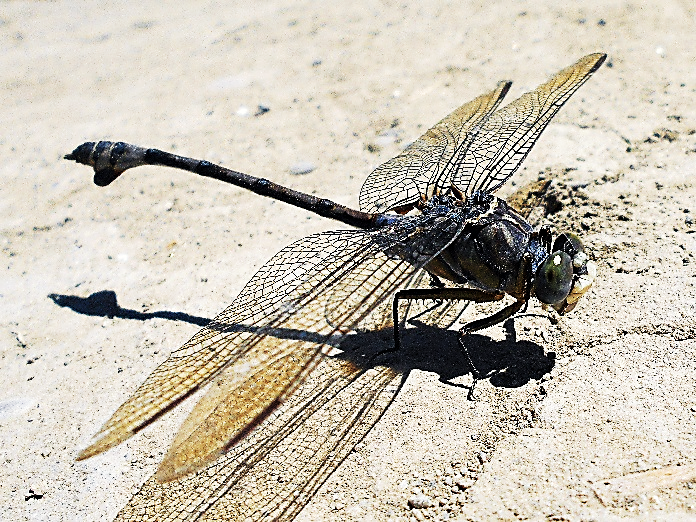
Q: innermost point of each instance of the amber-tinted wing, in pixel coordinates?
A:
(401, 181)
(473, 148)
(493, 153)
(275, 471)
(264, 345)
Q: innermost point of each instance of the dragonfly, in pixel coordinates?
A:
(280, 413)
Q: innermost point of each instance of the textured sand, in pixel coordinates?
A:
(189, 77)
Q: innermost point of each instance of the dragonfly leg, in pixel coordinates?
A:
(480, 324)
(545, 236)
(434, 283)
(526, 274)
(465, 294)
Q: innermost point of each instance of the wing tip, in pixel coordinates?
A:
(102, 443)
(504, 87)
(170, 470)
(600, 59)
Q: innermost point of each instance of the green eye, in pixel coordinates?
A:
(568, 243)
(554, 278)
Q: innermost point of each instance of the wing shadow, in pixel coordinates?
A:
(508, 363)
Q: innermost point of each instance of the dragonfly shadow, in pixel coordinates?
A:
(105, 304)
(507, 363)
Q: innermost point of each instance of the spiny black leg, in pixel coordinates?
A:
(545, 237)
(526, 278)
(492, 320)
(464, 294)
(437, 304)
(395, 320)
(471, 396)
(435, 281)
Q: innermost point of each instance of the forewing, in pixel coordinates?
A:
(401, 181)
(274, 472)
(495, 151)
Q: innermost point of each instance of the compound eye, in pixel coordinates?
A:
(554, 278)
(568, 243)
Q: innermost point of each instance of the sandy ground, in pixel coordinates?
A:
(347, 86)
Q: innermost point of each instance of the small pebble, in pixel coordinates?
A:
(262, 109)
(302, 167)
(20, 339)
(420, 502)
(465, 483)
(33, 496)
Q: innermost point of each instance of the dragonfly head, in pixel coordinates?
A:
(565, 275)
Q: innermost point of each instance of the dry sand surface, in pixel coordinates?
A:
(348, 85)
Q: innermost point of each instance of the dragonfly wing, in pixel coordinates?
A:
(272, 336)
(495, 151)
(266, 301)
(401, 181)
(275, 471)
(367, 266)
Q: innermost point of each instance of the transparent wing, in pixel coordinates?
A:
(264, 345)
(276, 470)
(401, 181)
(495, 151)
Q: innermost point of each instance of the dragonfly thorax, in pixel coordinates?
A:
(498, 250)
(489, 250)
